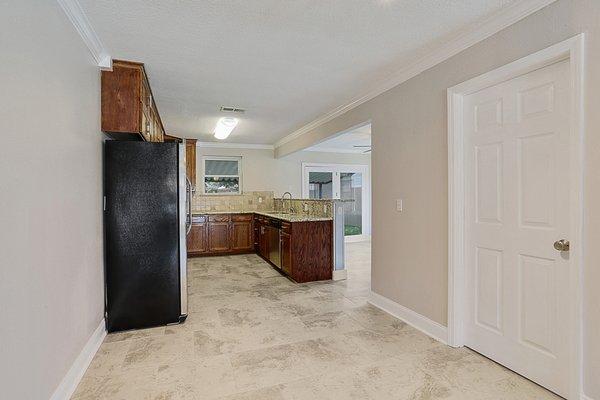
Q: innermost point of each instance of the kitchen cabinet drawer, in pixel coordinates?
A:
(241, 217)
(219, 218)
(198, 219)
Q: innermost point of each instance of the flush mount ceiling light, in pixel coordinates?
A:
(224, 127)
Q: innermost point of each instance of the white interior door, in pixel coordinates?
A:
(517, 206)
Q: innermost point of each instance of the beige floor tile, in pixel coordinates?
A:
(253, 334)
(125, 384)
(200, 378)
(134, 334)
(159, 350)
(270, 366)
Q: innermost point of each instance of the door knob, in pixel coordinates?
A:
(562, 245)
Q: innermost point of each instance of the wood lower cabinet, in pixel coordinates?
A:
(242, 233)
(310, 251)
(263, 238)
(197, 239)
(301, 250)
(221, 234)
(219, 240)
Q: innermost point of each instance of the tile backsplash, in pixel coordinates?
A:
(260, 201)
(248, 201)
(313, 208)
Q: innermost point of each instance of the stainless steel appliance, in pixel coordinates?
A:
(274, 231)
(146, 219)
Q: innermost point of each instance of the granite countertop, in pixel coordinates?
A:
(272, 214)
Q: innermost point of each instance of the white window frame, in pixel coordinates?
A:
(222, 158)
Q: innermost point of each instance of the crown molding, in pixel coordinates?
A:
(466, 38)
(82, 24)
(335, 150)
(248, 146)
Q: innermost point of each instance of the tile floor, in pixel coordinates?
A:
(253, 334)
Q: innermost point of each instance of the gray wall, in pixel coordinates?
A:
(409, 128)
(51, 290)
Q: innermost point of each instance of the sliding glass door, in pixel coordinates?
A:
(345, 182)
(351, 189)
(320, 184)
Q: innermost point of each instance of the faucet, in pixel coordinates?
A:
(282, 202)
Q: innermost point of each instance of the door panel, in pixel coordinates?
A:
(218, 237)
(537, 303)
(489, 289)
(517, 185)
(241, 235)
(488, 166)
(537, 183)
(196, 239)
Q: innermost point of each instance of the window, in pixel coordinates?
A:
(222, 175)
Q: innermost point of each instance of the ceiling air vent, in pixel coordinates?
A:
(232, 109)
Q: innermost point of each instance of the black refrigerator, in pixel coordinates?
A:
(146, 220)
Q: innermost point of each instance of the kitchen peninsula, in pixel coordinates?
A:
(297, 237)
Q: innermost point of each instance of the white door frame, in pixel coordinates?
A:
(573, 51)
(366, 176)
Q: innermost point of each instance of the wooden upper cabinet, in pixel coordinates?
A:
(190, 159)
(128, 108)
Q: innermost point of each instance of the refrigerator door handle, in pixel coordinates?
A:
(189, 205)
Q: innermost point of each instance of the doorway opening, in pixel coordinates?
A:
(351, 185)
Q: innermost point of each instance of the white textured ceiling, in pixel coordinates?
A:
(286, 61)
(347, 142)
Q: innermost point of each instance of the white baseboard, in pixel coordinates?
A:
(430, 328)
(340, 274)
(69, 383)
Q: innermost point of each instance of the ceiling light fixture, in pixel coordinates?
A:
(224, 127)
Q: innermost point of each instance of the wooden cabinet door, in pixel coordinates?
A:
(197, 242)
(263, 241)
(286, 253)
(190, 160)
(218, 237)
(241, 236)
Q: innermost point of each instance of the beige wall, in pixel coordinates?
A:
(262, 171)
(410, 161)
(51, 279)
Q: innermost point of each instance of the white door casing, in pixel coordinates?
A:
(512, 296)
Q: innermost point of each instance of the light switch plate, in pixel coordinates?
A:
(399, 205)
